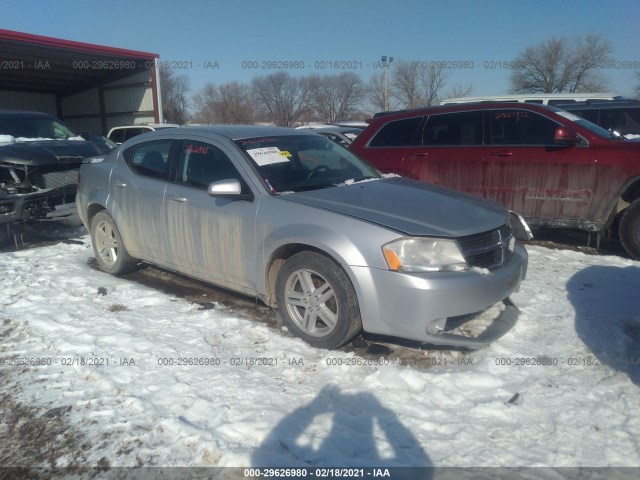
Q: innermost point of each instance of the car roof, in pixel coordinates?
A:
(232, 132)
(462, 107)
(330, 128)
(598, 104)
(148, 125)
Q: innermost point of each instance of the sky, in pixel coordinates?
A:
(239, 39)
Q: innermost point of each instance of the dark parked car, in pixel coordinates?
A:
(553, 167)
(341, 135)
(622, 116)
(39, 162)
(293, 219)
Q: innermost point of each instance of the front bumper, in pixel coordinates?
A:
(418, 306)
(54, 204)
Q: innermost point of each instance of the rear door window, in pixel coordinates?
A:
(453, 129)
(150, 159)
(398, 133)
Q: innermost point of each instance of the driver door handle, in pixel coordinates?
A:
(178, 198)
(501, 154)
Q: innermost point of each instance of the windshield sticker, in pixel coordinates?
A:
(284, 153)
(253, 141)
(267, 155)
(569, 116)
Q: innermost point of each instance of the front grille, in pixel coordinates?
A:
(488, 249)
(58, 179)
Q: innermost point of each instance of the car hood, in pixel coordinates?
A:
(408, 206)
(47, 152)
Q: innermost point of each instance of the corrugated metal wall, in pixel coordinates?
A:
(127, 101)
(37, 102)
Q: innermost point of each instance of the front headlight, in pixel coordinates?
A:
(421, 254)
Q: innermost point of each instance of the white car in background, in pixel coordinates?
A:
(125, 132)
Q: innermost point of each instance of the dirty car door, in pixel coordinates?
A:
(210, 237)
(528, 172)
(137, 186)
(449, 152)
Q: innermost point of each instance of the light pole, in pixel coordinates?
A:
(385, 65)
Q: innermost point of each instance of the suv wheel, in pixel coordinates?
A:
(629, 229)
(108, 247)
(316, 301)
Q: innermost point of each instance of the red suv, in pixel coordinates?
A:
(553, 167)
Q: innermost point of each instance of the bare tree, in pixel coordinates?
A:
(432, 80)
(459, 90)
(638, 85)
(204, 101)
(404, 84)
(283, 98)
(175, 104)
(375, 92)
(335, 97)
(561, 65)
(415, 85)
(229, 103)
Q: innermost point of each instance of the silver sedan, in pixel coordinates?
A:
(299, 222)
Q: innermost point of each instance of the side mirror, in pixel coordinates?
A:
(566, 136)
(226, 188)
(231, 188)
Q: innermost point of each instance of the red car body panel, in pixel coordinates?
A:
(550, 184)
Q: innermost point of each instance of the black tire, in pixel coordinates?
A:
(316, 301)
(108, 247)
(629, 229)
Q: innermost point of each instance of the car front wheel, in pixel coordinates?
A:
(108, 247)
(629, 229)
(316, 301)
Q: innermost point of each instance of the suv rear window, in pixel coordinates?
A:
(399, 133)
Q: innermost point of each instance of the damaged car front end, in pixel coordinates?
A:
(39, 162)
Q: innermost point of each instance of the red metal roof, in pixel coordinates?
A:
(72, 45)
(36, 63)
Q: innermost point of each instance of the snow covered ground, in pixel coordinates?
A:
(96, 370)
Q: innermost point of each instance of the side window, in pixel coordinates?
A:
(202, 163)
(398, 133)
(591, 115)
(132, 132)
(117, 136)
(453, 129)
(624, 121)
(151, 159)
(519, 127)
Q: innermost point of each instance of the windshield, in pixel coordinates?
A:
(34, 127)
(296, 163)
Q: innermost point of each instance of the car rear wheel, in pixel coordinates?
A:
(316, 301)
(629, 229)
(108, 247)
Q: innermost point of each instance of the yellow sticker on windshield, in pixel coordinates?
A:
(284, 153)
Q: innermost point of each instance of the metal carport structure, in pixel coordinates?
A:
(91, 87)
